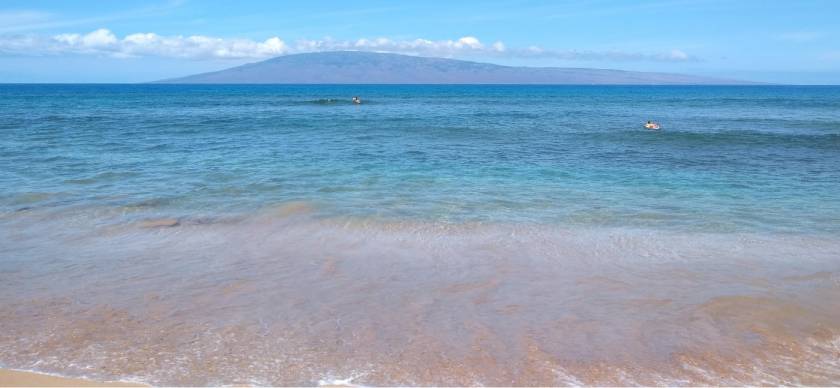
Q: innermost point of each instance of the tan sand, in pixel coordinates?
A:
(13, 378)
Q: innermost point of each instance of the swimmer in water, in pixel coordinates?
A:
(651, 125)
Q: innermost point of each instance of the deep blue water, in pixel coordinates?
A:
(756, 158)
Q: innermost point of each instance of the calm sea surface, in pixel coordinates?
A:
(454, 235)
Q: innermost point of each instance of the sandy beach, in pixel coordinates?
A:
(436, 235)
(14, 378)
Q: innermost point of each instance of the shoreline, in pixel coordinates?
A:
(20, 378)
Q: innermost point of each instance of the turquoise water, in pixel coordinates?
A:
(728, 158)
(434, 235)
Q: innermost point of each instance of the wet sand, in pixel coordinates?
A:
(290, 299)
(14, 378)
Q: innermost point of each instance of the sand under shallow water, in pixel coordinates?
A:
(14, 378)
(283, 297)
(442, 235)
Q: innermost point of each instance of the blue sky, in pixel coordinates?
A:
(135, 41)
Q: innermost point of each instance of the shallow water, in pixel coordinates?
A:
(433, 235)
(728, 159)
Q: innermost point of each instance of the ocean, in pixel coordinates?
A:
(443, 235)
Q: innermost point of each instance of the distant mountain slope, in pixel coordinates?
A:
(356, 67)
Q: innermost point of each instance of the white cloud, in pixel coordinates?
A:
(94, 40)
(105, 43)
(99, 38)
(469, 41)
(678, 55)
(444, 48)
(609, 56)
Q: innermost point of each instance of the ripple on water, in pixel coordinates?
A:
(286, 296)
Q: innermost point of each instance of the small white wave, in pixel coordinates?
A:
(335, 382)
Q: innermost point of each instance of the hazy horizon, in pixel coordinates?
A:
(361, 67)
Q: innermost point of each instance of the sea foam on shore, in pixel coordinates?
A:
(282, 297)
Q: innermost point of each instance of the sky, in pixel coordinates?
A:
(777, 41)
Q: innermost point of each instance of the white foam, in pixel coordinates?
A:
(339, 382)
